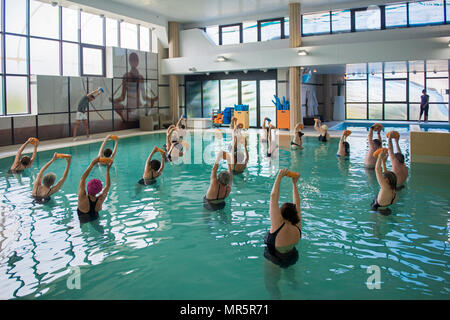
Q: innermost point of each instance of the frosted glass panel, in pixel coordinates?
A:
(44, 20)
(248, 89)
(356, 91)
(16, 19)
(396, 15)
(128, 35)
(270, 30)
(213, 33)
(228, 93)
(266, 92)
(341, 21)
(70, 24)
(92, 61)
(91, 28)
(210, 97)
(17, 94)
(70, 59)
(112, 32)
(368, 19)
(16, 54)
(426, 12)
(44, 57)
(356, 111)
(144, 34)
(250, 30)
(193, 99)
(230, 35)
(316, 23)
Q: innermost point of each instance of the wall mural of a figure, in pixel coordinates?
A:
(132, 89)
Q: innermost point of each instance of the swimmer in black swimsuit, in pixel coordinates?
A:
(20, 164)
(107, 153)
(239, 163)
(374, 145)
(42, 186)
(267, 137)
(322, 129)
(297, 141)
(388, 184)
(173, 147)
(89, 204)
(285, 232)
(344, 146)
(153, 168)
(220, 185)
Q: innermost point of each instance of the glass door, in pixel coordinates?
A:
(267, 90)
(249, 97)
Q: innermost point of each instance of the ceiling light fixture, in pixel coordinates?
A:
(221, 59)
(302, 52)
(207, 73)
(192, 69)
(227, 72)
(245, 71)
(314, 70)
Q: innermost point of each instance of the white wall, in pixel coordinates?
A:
(371, 46)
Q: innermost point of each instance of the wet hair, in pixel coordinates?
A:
(289, 212)
(155, 165)
(25, 160)
(377, 143)
(400, 157)
(392, 179)
(182, 126)
(224, 177)
(346, 147)
(107, 152)
(49, 179)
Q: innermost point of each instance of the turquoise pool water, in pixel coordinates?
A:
(157, 242)
(401, 128)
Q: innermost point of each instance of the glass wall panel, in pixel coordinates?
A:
(396, 15)
(438, 112)
(375, 87)
(375, 111)
(437, 68)
(341, 21)
(426, 12)
(356, 91)
(248, 89)
(112, 27)
(267, 89)
(228, 93)
(44, 57)
(194, 99)
(395, 111)
(78, 88)
(437, 89)
(17, 94)
(286, 27)
(2, 109)
(144, 39)
(92, 61)
(250, 31)
(16, 19)
(448, 10)
(416, 85)
(270, 30)
(16, 54)
(414, 111)
(128, 35)
(44, 20)
(210, 97)
(230, 35)
(395, 90)
(213, 33)
(91, 29)
(316, 23)
(395, 69)
(369, 19)
(69, 24)
(70, 59)
(356, 111)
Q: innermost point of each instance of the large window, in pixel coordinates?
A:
(194, 99)
(340, 21)
(368, 19)
(230, 34)
(250, 31)
(396, 15)
(393, 90)
(316, 23)
(210, 97)
(426, 12)
(228, 93)
(270, 29)
(42, 38)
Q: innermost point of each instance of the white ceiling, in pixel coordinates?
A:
(194, 11)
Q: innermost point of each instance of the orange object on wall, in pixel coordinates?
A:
(283, 119)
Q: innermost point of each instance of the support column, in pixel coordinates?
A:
(174, 52)
(294, 72)
(327, 97)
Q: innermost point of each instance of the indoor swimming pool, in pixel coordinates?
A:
(388, 126)
(158, 242)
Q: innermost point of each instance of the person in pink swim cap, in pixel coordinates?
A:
(89, 204)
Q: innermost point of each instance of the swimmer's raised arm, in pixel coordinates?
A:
(63, 179)
(264, 123)
(19, 153)
(381, 158)
(246, 151)
(216, 166)
(149, 159)
(317, 123)
(82, 186)
(397, 145)
(296, 197)
(100, 151)
(275, 214)
(38, 180)
(34, 153)
(370, 136)
(230, 167)
(105, 191)
(391, 150)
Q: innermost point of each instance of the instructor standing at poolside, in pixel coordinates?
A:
(82, 111)
(424, 105)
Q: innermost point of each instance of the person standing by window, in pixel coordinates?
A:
(424, 105)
